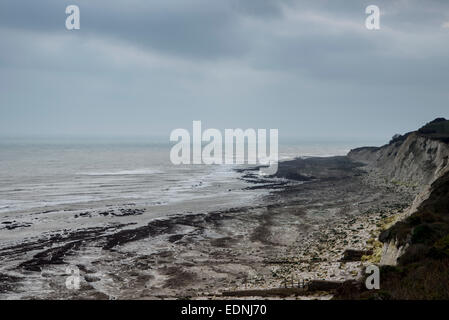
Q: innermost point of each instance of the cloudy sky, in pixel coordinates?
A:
(145, 67)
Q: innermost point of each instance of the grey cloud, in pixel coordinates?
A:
(150, 66)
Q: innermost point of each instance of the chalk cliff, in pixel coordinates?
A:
(419, 160)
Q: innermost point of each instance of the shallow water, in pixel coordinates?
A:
(47, 173)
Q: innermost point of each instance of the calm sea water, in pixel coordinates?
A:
(49, 173)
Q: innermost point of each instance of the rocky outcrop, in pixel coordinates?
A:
(418, 160)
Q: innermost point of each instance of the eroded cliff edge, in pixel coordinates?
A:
(415, 252)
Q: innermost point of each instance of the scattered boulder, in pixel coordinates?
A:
(91, 278)
(355, 255)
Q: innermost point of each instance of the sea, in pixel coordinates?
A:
(53, 174)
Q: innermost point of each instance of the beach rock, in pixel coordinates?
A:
(355, 255)
(91, 278)
(323, 285)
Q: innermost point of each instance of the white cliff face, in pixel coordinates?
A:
(391, 252)
(417, 161)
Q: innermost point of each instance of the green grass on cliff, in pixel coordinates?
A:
(423, 270)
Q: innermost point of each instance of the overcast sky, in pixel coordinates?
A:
(145, 67)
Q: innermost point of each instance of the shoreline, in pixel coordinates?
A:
(301, 231)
